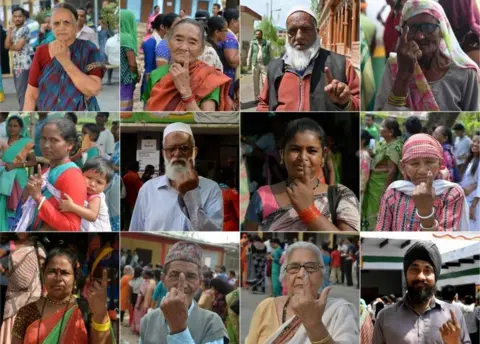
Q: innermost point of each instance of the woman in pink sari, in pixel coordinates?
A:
(151, 18)
(141, 306)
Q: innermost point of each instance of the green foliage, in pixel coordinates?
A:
(471, 122)
(314, 7)
(270, 34)
(110, 15)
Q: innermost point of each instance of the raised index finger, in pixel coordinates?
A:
(39, 171)
(329, 75)
(307, 286)
(405, 32)
(186, 65)
(305, 172)
(454, 318)
(181, 283)
(429, 180)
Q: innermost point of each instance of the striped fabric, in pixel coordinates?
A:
(422, 146)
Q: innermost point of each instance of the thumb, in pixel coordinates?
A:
(329, 75)
(324, 296)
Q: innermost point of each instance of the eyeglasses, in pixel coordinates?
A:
(310, 267)
(423, 27)
(184, 149)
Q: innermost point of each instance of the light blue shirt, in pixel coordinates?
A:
(159, 207)
(185, 337)
(3, 130)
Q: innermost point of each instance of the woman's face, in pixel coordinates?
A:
(303, 147)
(222, 34)
(185, 42)
(384, 131)
(438, 135)
(476, 144)
(52, 143)
(59, 277)
(428, 40)
(85, 131)
(14, 127)
(295, 278)
(417, 169)
(64, 25)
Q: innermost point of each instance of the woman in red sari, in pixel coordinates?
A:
(187, 84)
(56, 317)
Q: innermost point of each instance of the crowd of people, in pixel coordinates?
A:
(433, 56)
(190, 201)
(262, 260)
(189, 63)
(199, 304)
(43, 289)
(299, 279)
(390, 319)
(75, 183)
(423, 179)
(62, 69)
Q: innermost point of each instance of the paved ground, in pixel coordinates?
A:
(249, 302)
(126, 336)
(109, 98)
(247, 101)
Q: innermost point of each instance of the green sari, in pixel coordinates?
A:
(232, 322)
(16, 153)
(376, 184)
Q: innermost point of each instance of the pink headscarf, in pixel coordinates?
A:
(422, 146)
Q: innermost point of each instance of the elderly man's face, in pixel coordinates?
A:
(178, 148)
(192, 277)
(420, 281)
(301, 32)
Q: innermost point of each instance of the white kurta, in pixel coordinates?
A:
(468, 180)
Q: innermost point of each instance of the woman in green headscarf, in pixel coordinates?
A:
(17, 155)
(129, 75)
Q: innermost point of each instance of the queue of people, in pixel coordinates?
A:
(419, 181)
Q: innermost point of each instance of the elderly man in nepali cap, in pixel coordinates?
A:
(180, 200)
(180, 319)
(420, 317)
(307, 77)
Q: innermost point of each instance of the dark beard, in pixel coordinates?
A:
(417, 296)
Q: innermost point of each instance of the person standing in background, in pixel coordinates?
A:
(336, 263)
(4, 60)
(230, 46)
(105, 141)
(461, 149)
(276, 256)
(83, 31)
(258, 58)
(17, 41)
(42, 120)
(3, 125)
(133, 183)
(216, 9)
(372, 127)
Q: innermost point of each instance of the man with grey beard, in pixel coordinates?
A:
(180, 200)
(307, 77)
(420, 317)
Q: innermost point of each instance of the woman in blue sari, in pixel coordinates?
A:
(17, 156)
(149, 47)
(66, 74)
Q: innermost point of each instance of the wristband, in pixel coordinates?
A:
(435, 225)
(324, 340)
(101, 327)
(189, 99)
(425, 217)
(309, 215)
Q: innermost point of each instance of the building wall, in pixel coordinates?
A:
(247, 34)
(379, 283)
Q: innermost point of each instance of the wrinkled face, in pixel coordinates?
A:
(192, 277)
(425, 31)
(14, 127)
(301, 32)
(416, 170)
(52, 144)
(420, 280)
(96, 182)
(303, 147)
(178, 148)
(296, 276)
(59, 277)
(259, 35)
(82, 17)
(185, 43)
(18, 18)
(64, 25)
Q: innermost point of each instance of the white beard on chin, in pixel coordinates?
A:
(300, 59)
(173, 171)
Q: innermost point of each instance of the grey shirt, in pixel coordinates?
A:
(456, 91)
(400, 324)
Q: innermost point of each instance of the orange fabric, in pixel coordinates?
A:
(203, 80)
(231, 211)
(294, 92)
(75, 331)
(22, 155)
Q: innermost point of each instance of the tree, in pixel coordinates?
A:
(109, 15)
(441, 118)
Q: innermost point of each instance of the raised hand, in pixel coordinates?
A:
(450, 330)
(97, 295)
(300, 192)
(34, 185)
(59, 50)
(337, 91)
(408, 52)
(424, 196)
(174, 307)
(308, 309)
(189, 180)
(181, 76)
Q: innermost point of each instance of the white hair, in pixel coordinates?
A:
(300, 59)
(301, 245)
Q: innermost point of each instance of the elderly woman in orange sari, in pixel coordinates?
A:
(125, 290)
(187, 84)
(56, 317)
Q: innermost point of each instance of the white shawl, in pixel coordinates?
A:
(340, 319)
(440, 187)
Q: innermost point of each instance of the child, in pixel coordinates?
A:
(98, 172)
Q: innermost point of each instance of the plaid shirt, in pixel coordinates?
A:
(21, 59)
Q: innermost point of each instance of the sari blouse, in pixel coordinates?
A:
(56, 91)
(391, 151)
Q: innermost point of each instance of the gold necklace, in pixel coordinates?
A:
(49, 300)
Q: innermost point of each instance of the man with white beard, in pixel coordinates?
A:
(180, 200)
(307, 77)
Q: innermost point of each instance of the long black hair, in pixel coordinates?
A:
(391, 124)
(222, 286)
(476, 159)
(447, 133)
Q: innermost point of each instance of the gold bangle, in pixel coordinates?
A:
(323, 341)
(101, 327)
